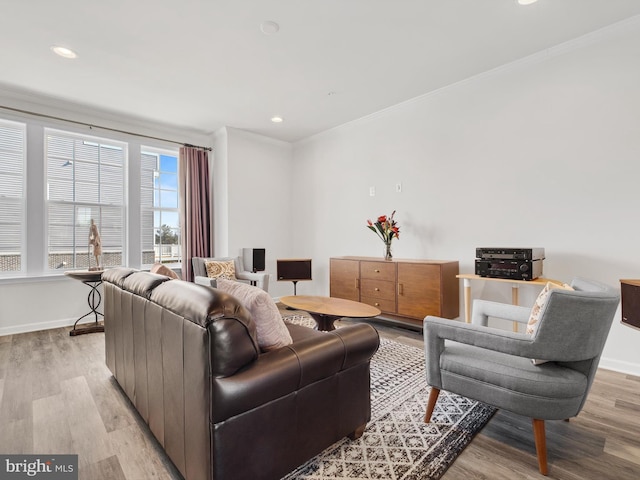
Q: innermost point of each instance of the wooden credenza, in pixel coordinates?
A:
(407, 290)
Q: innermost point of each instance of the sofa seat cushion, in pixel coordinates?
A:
(271, 329)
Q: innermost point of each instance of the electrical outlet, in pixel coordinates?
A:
(372, 191)
(398, 187)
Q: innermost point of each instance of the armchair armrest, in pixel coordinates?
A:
(206, 281)
(261, 279)
(437, 330)
(483, 309)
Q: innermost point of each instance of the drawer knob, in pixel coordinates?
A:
(376, 304)
(377, 289)
(377, 271)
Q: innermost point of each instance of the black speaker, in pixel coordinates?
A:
(294, 269)
(253, 259)
(630, 293)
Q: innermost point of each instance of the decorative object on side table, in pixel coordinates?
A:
(96, 243)
(386, 228)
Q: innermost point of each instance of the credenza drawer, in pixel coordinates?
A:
(378, 289)
(378, 270)
(384, 305)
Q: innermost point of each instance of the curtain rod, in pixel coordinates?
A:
(91, 126)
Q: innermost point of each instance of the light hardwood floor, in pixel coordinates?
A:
(57, 396)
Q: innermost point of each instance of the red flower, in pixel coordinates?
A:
(386, 228)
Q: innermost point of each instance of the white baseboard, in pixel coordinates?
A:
(34, 327)
(620, 366)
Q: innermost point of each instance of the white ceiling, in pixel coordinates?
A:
(203, 64)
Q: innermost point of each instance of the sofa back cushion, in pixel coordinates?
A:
(232, 335)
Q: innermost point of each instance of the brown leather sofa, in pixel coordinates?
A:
(187, 357)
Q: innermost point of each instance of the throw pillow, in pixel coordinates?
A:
(161, 269)
(532, 325)
(221, 269)
(271, 329)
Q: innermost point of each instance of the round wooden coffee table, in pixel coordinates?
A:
(326, 310)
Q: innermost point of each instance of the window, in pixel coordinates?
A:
(160, 226)
(85, 181)
(12, 194)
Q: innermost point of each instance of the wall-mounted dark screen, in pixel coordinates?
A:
(294, 269)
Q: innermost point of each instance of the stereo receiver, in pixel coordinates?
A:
(509, 269)
(510, 253)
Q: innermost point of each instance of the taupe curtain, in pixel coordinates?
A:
(195, 214)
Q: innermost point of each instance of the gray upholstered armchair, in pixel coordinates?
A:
(260, 280)
(495, 366)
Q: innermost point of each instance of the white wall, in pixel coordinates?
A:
(541, 153)
(252, 198)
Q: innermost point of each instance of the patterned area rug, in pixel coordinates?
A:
(397, 444)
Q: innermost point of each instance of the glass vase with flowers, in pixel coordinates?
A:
(387, 229)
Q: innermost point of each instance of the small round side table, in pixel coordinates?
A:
(93, 279)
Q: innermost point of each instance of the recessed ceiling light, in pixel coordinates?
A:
(526, 2)
(269, 28)
(277, 119)
(64, 52)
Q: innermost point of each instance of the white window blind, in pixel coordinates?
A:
(12, 196)
(85, 181)
(160, 225)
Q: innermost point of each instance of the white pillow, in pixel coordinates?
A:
(271, 329)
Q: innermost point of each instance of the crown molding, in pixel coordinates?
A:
(40, 104)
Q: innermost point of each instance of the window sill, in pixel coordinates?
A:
(53, 277)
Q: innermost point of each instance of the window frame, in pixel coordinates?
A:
(21, 201)
(78, 251)
(158, 152)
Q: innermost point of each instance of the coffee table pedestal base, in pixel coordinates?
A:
(324, 323)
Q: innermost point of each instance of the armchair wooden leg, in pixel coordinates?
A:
(541, 445)
(431, 403)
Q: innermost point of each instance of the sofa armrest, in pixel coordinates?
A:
(284, 371)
